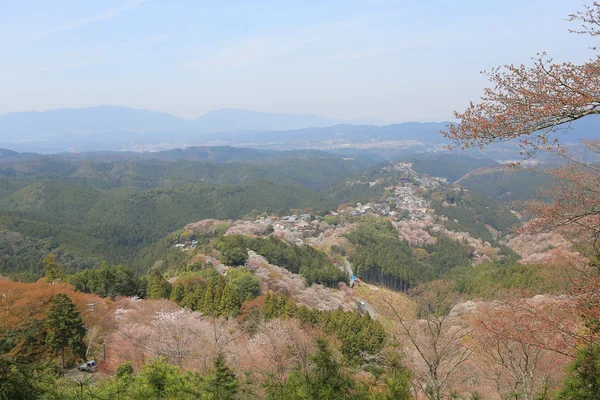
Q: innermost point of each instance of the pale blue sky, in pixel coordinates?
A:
(395, 60)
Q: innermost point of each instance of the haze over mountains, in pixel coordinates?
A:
(123, 128)
(105, 118)
(111, 128)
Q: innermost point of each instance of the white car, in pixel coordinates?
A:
(88, 366)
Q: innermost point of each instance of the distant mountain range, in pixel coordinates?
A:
(110, 128)
(111, 119)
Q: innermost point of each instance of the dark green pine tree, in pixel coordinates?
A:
(230, 306)
(583, 379)
(289, 309)
(126, 283)
(65, 327)
(194, 299)
(158, 286)
(397, 379)
(222, 383)
(178, 293)
(218, 294)
(208, 306)
(327, 380)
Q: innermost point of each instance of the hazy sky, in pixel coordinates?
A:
(413, 60)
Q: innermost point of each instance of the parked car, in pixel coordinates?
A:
(88, 366)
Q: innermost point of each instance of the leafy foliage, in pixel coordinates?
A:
(107, 281)
(492, 280)
(470, 211)
(91, 210)
(312, 264)
(451, 167)
(213, 294)
(53, 268)
(583, 380)
(506, 185)
(360, 336)
(381, 257)
(158, 286)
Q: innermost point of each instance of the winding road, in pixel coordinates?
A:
(363, 306)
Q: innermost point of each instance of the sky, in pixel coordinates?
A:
(413, 60)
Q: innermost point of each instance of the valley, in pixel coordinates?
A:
(195, 254)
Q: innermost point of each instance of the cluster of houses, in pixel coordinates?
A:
(302, 223)
(370, 208)
(403, 201)
(187, 244)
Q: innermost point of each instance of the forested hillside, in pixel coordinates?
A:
(413, 261)
(507, 185)
(247, 265)
(109, 206)
(116, 206)
(449, 166)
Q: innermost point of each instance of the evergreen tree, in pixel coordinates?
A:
(124, 371)
(268, 309)
(209, 301)
(244, 283)
(447, 254)
(289, 309)
(583, 380)
(53, 269)
(158, 286)
(230, 305)
(222, 383)
(65, 327)
(161, 380)
(218, 293)
(396, 380)
(178, 293)
(327, 380)
(125, 283)
(194, 298)
(234, 256)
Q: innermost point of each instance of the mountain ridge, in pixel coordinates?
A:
(109, 118)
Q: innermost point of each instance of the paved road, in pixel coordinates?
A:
(364, 306)
(348, 268)
(77, 376)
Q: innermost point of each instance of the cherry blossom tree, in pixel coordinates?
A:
(518, 368)
(533, 104)
(437, 344)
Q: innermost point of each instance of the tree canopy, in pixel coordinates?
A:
(66, 327)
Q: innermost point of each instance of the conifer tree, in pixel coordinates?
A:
(327, 379)
(65, 327)
(268, 307)
(209, 301)
(583, 380)
(194, 299)
(230, 305)
(158, 286)
(218, 293)
(222, 383)
(289, 309)
(178, 293)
